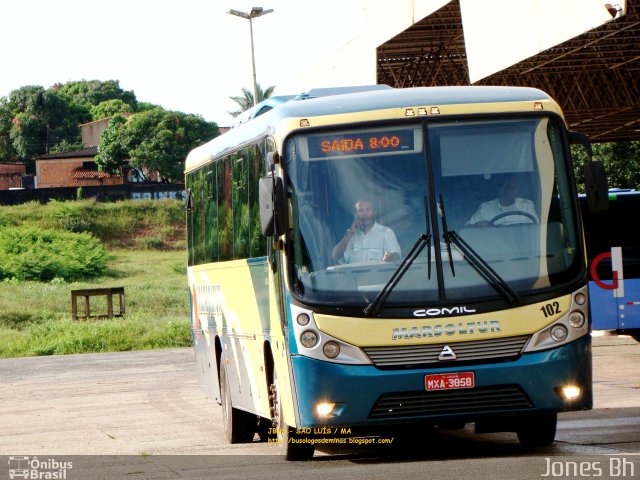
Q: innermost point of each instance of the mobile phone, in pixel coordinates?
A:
(357, 221)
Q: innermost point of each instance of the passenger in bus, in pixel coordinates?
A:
(507, 208)
(366, 239)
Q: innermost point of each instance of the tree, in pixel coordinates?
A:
(156, 139)
(624, 165)
(7, 152)
(84, 94)
(112, 154)
(246, 100)
(33, 120)
(110, 108)
(621, 161)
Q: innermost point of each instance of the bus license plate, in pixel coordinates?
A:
(449, 381)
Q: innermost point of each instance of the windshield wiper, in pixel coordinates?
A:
(481, 266)
(374, 307)
(478, 263)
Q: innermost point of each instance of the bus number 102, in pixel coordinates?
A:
(550, 309)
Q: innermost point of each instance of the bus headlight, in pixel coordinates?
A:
(303, 319)
(569, 392)
(325, 409)
(576, 319)
(331, 349)
(314, 342)
(559, 333)
(309, 338)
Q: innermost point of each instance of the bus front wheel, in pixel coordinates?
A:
(537, 430)
(291, 445)
(239, 426)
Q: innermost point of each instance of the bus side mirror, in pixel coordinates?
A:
(596, 186)
(595, 178)
(272, 206)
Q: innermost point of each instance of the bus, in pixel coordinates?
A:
(613, 251)
(466, 324)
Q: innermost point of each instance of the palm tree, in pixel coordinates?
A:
(246, 100)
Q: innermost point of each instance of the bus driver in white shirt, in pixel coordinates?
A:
(366, 239)
(506, 209)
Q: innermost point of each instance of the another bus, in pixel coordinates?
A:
(613, 249)
(488, 325)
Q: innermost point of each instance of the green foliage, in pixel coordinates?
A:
(83, 95)
(35, 316)
(156, 315)
(623, 167)
(71, 216)
(153, 140)
(110, 108)
(112, 154)
(621, 161)
(34, 254)
(66, 146)
(60, 337)
(245, 101)
(36, 120)
(117, 224)
(150, 242)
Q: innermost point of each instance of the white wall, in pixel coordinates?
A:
(355, 62)
(498, 34)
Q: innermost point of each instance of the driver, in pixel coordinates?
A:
(507, 201)
(366, 239)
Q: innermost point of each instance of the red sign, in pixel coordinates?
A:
(449, 381)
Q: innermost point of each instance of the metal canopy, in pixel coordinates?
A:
(595, 77)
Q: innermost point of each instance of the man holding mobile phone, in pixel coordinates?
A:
(366, 239)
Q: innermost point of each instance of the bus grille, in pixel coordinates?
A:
(473, 400)
(473, 351)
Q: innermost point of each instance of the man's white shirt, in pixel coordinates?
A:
(371, 246)
(491, 209)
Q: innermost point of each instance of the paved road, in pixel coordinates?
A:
(148, 403)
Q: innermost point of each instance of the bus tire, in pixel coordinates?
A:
(290, 444)
(239, 426)
(537, 430)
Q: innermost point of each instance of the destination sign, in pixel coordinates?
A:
(361, 143)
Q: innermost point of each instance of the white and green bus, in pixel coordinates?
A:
(486, 324)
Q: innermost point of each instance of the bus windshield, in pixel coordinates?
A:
(490, 198)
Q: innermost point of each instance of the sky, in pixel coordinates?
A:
(184, 55)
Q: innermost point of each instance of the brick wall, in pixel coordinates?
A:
(59, 173)
(11, 175)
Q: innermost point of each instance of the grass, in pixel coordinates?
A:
(145, 241)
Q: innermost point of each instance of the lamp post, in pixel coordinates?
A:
(254, 13)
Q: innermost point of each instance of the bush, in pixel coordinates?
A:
(71, 216)
(150, 242)
(43, 255)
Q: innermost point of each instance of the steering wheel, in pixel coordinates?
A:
(492, 222)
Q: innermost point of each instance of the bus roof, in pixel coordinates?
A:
(385, 98)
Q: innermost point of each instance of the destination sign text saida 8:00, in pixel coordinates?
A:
(361, 143)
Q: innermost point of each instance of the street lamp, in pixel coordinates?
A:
(254, 13)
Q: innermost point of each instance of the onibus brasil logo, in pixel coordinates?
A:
(34, 468)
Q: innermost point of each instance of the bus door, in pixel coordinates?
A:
(613, 248)
(606, 288)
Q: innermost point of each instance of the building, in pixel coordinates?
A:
(11, 175)
(72, 169)
(76, 168)
(583, 53)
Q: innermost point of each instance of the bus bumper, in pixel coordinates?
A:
(367, 396)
